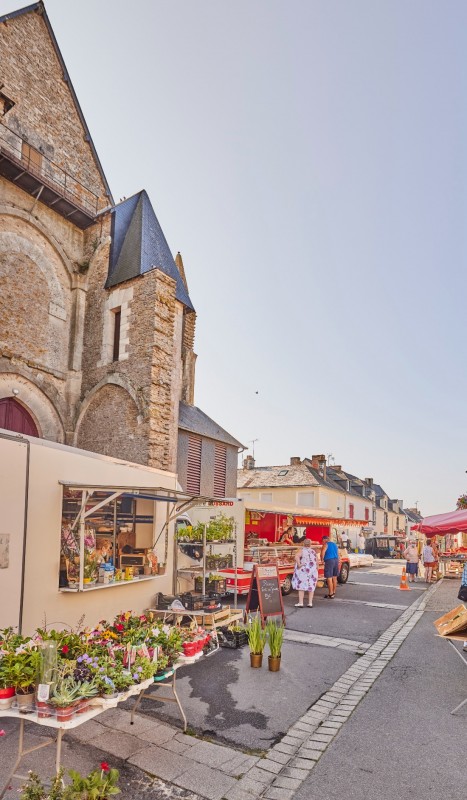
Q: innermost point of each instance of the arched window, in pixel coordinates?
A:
(14, 417)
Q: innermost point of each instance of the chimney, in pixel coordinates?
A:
(336, 468)
(249, 462)
(319, 463)
(181, 269)
(369, 482)
(295, 461)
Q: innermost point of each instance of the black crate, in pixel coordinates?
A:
(217, 586)
(163, 601)
(232, 639)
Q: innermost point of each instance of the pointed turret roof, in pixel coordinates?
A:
(139, 245)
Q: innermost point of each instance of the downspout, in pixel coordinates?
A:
(25, 536)
(25, 523)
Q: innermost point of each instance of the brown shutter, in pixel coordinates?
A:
(220, 465)
(193, 471)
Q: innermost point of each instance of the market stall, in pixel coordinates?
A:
(452, 530)
(60, 678)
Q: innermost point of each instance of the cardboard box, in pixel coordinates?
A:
(454, 621)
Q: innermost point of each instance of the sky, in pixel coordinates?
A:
(308, 159)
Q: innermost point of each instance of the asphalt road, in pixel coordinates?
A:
(232, 703)
(402, 741)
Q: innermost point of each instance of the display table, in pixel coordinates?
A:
(60, 727)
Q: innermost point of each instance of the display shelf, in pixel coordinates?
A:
(111, 585)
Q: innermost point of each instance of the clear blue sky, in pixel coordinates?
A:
(308, 158)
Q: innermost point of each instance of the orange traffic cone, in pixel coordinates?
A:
(403, 584)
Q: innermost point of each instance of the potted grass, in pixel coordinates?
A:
(275, 637)
(256, 640)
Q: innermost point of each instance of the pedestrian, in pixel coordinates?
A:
(330, 555)
(305, 576)
(429, 560)
(345, 540)
(411, 556)
(361, 542)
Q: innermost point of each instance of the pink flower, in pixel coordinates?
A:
(2, 733)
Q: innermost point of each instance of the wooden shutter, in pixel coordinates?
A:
(220, 467)
(193, 470)
(351, 510)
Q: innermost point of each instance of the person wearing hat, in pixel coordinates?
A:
(411, 556)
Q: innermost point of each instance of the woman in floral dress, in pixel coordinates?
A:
(305, 575)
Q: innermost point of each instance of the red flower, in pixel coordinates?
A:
(2, 733)
(119, 627)
(104, 766)
(65, 649)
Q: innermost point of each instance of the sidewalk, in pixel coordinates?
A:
(402, 740)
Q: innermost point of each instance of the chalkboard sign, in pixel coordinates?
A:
(265, 592)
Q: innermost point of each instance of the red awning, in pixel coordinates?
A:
(441, 524)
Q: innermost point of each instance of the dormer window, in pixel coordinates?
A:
(5, 103)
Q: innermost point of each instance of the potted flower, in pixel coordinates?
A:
(7, 688)
(24, 674)
(275, 636)
(256, 640)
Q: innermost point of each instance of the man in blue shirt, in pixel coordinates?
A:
(330, 555)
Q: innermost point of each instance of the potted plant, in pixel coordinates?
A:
(7, 689)
(64, 698)
(24, 674)
(256, 640)
(275, 636)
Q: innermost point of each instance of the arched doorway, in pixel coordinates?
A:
(14, 417)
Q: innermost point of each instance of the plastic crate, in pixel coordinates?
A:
(163, 601)
(217, 586)
(232, 639)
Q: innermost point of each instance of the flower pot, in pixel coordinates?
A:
(274, 663)
(44, 710)
(189, 649)
(25, 702)
(82, 706)
(65, 713)
(6, 697)
(256, 660)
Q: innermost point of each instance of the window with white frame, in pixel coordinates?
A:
(306, 499)
(323, 500)
(266, 497)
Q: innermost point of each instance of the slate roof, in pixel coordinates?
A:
(194, 420)
(262, 477)
(139, 245)
(39, 8)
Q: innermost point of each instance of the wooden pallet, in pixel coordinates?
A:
(224, 616)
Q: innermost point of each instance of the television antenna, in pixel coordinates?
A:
(252, 442)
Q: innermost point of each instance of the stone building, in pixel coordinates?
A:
(96, 322)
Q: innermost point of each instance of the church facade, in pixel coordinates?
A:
(96, 322)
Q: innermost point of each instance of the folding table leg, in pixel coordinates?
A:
(18, 758)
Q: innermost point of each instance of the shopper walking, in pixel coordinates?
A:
(429, 560)
(330, 555)
(305, 575)
(411, 556)
(361, 542)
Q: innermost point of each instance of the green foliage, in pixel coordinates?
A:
(66, 692)
(218, 529)
(98, 785)
(256, 636)
(24, 670)
(275, 636)
(7, 672)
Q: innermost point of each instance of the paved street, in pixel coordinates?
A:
(345, 708)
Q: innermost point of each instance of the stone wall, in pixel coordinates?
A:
(44, 112)
(111, 425)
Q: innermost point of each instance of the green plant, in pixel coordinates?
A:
(66, 692)
(88, 688)
(24, 670)
(7, 675)
(275, 636)
(98, 785)
(218, 529)
(256, 636)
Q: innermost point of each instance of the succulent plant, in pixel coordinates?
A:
(65, 693)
